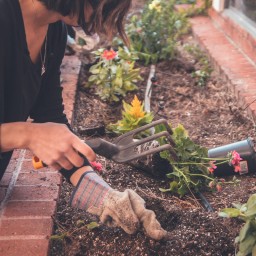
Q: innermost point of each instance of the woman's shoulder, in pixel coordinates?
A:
(57, 39)
(10, 15)
(4, 12)
(58, 30)
(7, 20)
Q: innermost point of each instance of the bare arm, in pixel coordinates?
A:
(53, 143)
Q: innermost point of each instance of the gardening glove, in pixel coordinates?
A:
(124, 209)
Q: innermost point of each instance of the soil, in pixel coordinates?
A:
(212, 117)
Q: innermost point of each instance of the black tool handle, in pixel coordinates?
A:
(103, 147)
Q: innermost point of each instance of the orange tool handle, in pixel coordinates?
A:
(37, 163)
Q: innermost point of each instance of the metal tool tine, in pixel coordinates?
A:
(118, 158)
(144, 140)
(127, 136)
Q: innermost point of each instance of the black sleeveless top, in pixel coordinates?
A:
(24, 93)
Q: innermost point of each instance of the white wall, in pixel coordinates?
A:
(218, 5)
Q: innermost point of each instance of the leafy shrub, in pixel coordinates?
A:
(192, 168)
(154, 32)
(204, 72)
(114, 74)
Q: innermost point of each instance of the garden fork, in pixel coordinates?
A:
(125, 147)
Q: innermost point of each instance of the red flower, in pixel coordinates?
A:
(109, 54)
(211, 170)
(213, 167)
(97, 166)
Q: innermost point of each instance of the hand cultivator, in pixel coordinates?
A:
(125, 148)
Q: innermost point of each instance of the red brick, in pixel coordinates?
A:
(2, 193)
(233, 66)
(240, 36)
(16, 154)
(11, 166)
(29, 208)
(6, 179)
(69, 97)
(39, 178)
(69, 86)
(29, 247)
(35, 193)
(26, 227)
(69, 79)
(28, 154)
(27, 166)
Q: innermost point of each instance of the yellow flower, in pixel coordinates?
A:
(136, 109)
(155, 4)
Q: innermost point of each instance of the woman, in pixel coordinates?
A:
(31, 50)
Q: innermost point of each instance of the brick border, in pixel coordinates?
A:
(28, 198)
(230, 62)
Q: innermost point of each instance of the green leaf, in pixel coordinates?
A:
(92, 225)
(229, 212)
(246, 246)
(251, 206)
(182, 190)
(254, 250)
(244, 231)
(59, 237)
(164, 190)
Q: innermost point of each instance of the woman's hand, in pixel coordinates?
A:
(57, 146)
(123, 209)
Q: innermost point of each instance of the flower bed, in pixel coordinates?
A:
(210, 115)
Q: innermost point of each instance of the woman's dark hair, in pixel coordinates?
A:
(107, 18)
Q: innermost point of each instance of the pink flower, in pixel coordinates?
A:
(235, 161)
(235, 158)
(97, 166)
(212, 164)
(218, 187)
(109, 54)
(237, 168)
(211, 184)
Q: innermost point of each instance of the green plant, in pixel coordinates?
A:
(246, 240)
(192, 169)
(154, 32)
(114, 74)
(195, 9)
(204, 71)
(133, 115)
(185, 1)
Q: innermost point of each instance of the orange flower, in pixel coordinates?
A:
(109, 54)
(136, 109)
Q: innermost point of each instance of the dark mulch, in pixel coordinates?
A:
(212, 117)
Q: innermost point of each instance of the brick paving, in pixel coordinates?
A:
(28, 197)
